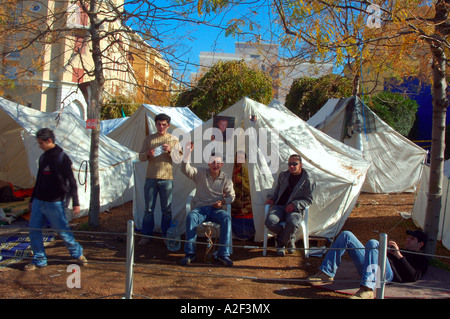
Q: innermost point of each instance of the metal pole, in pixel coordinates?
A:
(382, 266)
(130, 260)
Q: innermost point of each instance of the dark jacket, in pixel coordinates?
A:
(410, 268)
(55, 181)
(302, 193)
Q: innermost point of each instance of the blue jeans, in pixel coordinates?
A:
(205, 214)
(151, 189)
(53, 212)
(276, 216)
(365, 258)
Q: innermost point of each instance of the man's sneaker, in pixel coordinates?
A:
(291, 246)
(363, 293)
(187, 260)
(82, 261)
(320, 279)
(281, 251)
(31, 266)
(225, 260)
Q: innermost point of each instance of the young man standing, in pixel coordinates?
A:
(214, 191)
(54, 184)
(292, 193)
(157, 151)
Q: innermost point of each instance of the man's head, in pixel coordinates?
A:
(162, 123)
(241, 157)
(222, 124)
(416, 240)
(46, 139)
(295, 164)
(215, 163)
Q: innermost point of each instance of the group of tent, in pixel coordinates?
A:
(345, 147)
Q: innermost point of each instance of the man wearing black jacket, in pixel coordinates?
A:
(291, 194)
(403, 266)
(55, 185)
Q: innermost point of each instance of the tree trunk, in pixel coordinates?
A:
(94, 204)
(440, 104)
(95, 107)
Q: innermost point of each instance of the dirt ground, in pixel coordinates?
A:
(158, 274)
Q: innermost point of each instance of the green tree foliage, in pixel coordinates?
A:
(394, 109)
(117, 106)
(225, 84)
(307, 95)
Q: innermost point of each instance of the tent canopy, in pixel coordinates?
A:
(269, 137)
(131, 133)
(396, 162)
(107, 126)
(19, 154)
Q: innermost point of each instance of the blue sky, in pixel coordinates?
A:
(194, 38)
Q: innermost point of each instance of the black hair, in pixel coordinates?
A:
(296, 155)
(45, 133)
(162, 117)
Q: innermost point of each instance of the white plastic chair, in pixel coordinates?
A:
(303, 226)
(209, 224)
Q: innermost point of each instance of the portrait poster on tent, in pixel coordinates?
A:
(225, 126)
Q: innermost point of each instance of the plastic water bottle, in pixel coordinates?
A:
(173, 238)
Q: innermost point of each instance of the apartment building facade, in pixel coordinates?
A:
(264, 56)
(47, 73)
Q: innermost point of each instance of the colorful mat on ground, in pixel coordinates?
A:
(14, 249)
(15, 209)
(435, 284)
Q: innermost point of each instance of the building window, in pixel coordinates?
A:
(11, 72)
(13, 56)
(79, 45)
(77, 75)
(35, 7)
(76, 17)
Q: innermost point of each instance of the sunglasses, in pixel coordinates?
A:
(293, 164)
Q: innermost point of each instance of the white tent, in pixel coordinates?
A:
(396, 162)
(269, 137)
(19, 153)
(107, 126)
(420, 204)
(131, 133)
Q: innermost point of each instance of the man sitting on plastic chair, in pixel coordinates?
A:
(292, 193)
(214, 192)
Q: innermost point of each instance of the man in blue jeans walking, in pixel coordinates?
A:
(214, 190)
(54, 184)
(401, 266)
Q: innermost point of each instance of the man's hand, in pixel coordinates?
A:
(188, 150)
(151, 152)
(166, 148)
(76, 210)
(218, 204)
(270, 202)
(393, 247)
